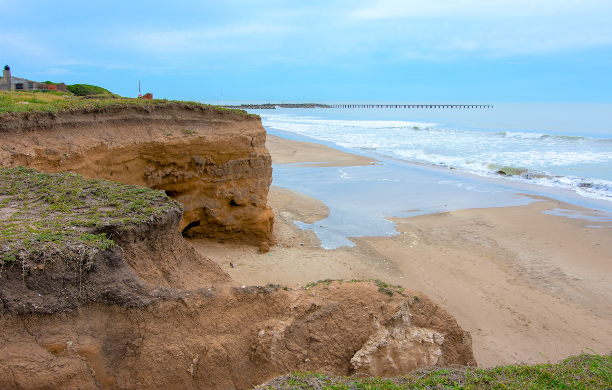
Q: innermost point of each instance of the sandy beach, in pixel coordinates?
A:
(530, 287)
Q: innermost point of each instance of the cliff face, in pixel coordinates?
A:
(151, 312)
(212, 161)
(229, 338)
(148, 262)
(66, 241)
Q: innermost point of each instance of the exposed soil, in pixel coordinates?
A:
(151, 312)
(211, 160)
(229, 338)
(196, 329)
(148, 260)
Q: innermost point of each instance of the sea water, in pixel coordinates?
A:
(558, 145)
(563, 151)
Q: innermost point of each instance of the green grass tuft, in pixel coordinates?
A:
(580, 372)
(383, 287)
(86, 90)
(54, 102)
(59, 214)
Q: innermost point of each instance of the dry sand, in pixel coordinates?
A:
(529, 286)
(285, 151)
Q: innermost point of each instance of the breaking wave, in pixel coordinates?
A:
(581, 164)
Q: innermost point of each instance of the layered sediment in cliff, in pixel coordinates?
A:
(148, 311)
(66, 241)
(211, 160)
(229, 338)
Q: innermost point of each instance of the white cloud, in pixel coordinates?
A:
(57, 71)
(484, 9)
(36, 49)
(64, 61)
(23, 45)
(332, 34)
(226, 38)
(431, 30)
(445, 29)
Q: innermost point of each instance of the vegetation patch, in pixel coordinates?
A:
(13, 101)
(86, 89)
(270, 287)
(576, 372)
(45, 215)
(383, 287)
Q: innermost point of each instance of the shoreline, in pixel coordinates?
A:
(529, 286)
(571, 189)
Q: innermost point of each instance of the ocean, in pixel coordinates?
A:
(562, 151)
(556, 145)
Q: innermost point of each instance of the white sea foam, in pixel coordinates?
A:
(507, 134)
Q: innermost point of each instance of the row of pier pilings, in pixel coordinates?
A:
(410, 106)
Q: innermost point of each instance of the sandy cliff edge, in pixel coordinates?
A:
(213, 161)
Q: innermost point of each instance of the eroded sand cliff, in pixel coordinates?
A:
(151, 312)
(211, 160)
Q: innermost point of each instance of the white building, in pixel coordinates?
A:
(8, 82)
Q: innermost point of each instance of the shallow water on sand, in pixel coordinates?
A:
(359, 198)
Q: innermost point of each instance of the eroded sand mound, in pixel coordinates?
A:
(229, 338)
(212, 161)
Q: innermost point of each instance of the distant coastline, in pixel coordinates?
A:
(272, 106)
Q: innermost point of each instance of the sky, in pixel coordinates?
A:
(301, 51)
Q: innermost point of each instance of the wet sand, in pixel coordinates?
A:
(529, 286)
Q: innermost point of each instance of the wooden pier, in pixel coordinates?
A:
(272, 106)
(411, 106)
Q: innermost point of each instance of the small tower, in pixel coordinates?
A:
(6, 76)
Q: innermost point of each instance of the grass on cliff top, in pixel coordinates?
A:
(43, 214)
(11, 101)
(576, 372)
(86, 89)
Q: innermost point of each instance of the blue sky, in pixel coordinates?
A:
(388, 50)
